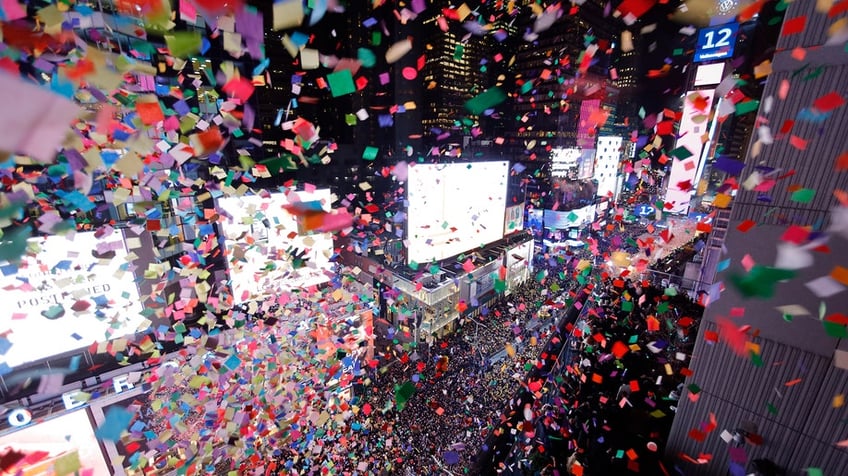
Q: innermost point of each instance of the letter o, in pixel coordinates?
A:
(20, 417)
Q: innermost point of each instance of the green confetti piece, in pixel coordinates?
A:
(277, 165)
(341, 83)
(756, 359)
(626, 306)
(760, 282)
(370, 152)
(804, 195)
(747, 106)
(662, 307)
(413, 265)
(814, 472)
(835, 330)
(184, 43)
(366, 56)
(695, 389)
(485, 100)
(771, 408)
(458, 52)
(67, 464)
(681, 153)
(14, 243)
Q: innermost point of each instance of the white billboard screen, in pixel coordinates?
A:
(693, 126)
(65, 294)
(266, 253)
(514, 219)
(62, 442)
(564, 160)
(579, 217)
(709, 74)
(454, 208)
(606, 167)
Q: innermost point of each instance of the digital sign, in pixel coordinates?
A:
(66, 441)
(694, 124)
(267, 252)
(556, 220)
(454, 208)
(514, 220)
(65, 294)
(716, 42)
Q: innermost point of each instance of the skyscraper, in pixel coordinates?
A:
(769, 369)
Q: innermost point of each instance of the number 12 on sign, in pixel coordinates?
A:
(716, 42)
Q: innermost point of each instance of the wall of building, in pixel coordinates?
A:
(784, 383)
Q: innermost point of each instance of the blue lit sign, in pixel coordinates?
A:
(716, 42)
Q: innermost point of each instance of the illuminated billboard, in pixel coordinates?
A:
(561, 220)
(66, 441)
(564, 160)
(607, 159)
(716, 42)
(709, 74)
(514, 220)
(79, 288)
(590, 113)
(454, 208)
(266, 252)
(694, 124)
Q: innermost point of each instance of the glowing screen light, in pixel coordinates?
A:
(79, 287)
(693, 126)
(266, 252)
(454, 208)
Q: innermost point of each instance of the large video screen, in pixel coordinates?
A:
(65, 294)
(693, 125)
(454, 208)
(576, 218)
(66, 441)
(267, 254)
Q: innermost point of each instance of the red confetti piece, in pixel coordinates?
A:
(794, 25)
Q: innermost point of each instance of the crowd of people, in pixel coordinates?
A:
(524, 388)
(605, 401)
(575, 368)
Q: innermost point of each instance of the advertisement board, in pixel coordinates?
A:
(514, 220)
(535, 219)
(79, 287)
(267, 254)
(716, 42)
(607, 159)
(564, 160)
(561, 220)
(64, 443)
(709, 74)
(454, 208)
(694, 124)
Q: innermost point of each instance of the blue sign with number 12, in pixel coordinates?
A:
(716, 42)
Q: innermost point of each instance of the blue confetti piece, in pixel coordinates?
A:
(232, 363)
(5, 345)
(74, 364)
(117, 420)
